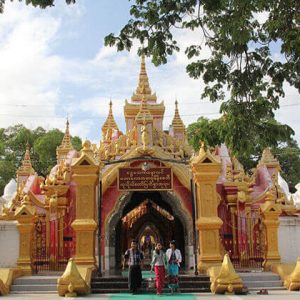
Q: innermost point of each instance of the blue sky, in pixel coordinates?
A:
(53, 64)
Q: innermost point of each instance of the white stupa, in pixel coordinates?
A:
(284, 186)
(296, 196)
(9, 192)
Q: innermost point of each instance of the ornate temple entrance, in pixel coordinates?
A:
(148, 217)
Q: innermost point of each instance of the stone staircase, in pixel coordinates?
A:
(119, 284)
(261, 280)
(46, 284)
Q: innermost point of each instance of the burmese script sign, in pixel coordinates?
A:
(136, 179)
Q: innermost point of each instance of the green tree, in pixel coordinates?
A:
(209, 131)
(76, 142)
(286, 150)
(39, 3)
(45, 149)
(43, 144)
(241, 60)
(288, 155)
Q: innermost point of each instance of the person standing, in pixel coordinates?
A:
(134, 258)
(174, 259)
(159, 262)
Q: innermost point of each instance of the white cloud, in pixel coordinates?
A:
(29, 71)
(32, 74)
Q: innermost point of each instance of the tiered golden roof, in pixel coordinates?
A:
(268, 159)
(66, 145)
(177, 123)
(143, 93)
(143, 89)
(110, 123)
(26, 168)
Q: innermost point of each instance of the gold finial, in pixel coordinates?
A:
(27, 154)
(26, 167)
(143, 65)
(66, 141)
(110, 123)
(86, 145)
(268, 159)
(26, 200)
(143, 88)
(202, 148)
(177, 123)
(66, 145)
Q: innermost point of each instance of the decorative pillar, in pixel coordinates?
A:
(206, 170)
(270, 214)
(85, 174)
(25, 215)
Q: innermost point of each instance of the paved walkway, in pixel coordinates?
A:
(273, 295)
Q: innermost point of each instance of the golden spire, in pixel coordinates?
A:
(66, 145)
(143, 88)
(66, 142)
(177, 122)
(27, 161)
(26, 168)
(268, 159)
(110, 123)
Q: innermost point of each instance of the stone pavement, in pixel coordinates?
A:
(273, 295)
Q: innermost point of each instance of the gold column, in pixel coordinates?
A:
(25, 215)
(206, 170)
(85, 174)
(270, 214)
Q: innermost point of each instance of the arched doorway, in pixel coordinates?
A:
(148, 217)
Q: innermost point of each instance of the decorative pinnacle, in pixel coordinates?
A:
(143, 88)
(66, 142)
(26, 167)
(110, 122)
(177, 122)
(143, 65)
(268, 159)
(202, 149)
(27, 159)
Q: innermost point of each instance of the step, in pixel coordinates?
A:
(117, 284)
(34, 287)
(261, 280)
(36, 280)
(263, 284)
(268, 288)
(33, 292)
(256, 276)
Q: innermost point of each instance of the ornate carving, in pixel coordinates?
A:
(145, 135)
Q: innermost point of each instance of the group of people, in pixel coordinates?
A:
(163, 263)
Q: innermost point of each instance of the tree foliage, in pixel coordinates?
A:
(36, 3)
(241, 71)
(43, 144)
(273, 134)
